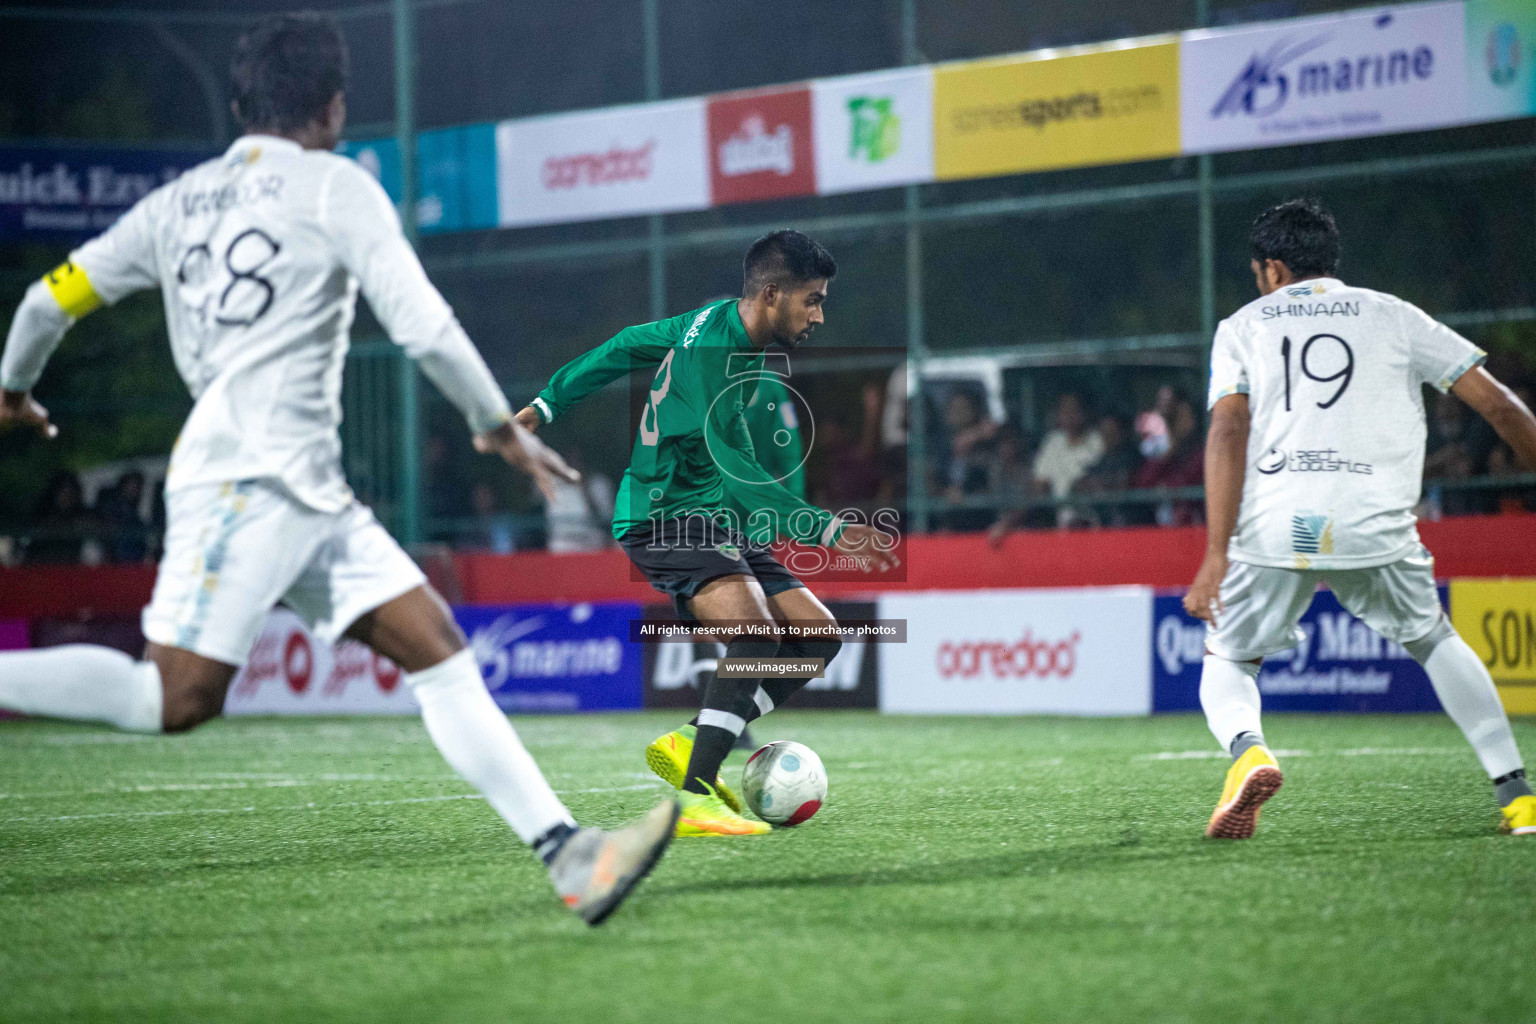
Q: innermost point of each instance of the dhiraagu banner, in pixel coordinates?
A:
(1501, 59)
(1056, 108)
(1498, 619)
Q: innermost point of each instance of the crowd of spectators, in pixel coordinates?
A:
(122, 526)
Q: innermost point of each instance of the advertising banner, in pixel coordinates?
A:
(619, 162)
(676, 672)
(72, 194)
(1036, 112)
(556, 658)
(13, 635)
(1498, 619)
(457, 175)
(873, 131)
(293, 672)
(1501, 59)
(1342, 665)
(1370, 72)
(760, 145)
(1057, 652)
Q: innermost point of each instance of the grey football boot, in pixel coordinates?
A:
(595, 870)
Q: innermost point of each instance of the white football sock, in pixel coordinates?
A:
(84, 683)
(479, 743)
(1230, 697)
(1467, 693)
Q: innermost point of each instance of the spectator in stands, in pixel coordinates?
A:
(581, 514)
(1457, 450)
(119, 509)
(1182, 465)
(64, 531)
(1066, 454)
(494, 529)
(1112, 472)
(966, 457)
(853, 466)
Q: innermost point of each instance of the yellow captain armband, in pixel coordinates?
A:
(71, 289)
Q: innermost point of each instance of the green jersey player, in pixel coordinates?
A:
(692, 467)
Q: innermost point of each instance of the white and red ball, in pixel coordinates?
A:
(784, 783)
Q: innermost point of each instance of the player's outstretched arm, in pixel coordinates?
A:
(1226, 457)
(36, 330)
(1502, 409)
(633, 348)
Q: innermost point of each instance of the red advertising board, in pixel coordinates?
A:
(760, 146)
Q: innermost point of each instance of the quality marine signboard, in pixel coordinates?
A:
(1371, 72)
(1052, 109)
(1498, 619)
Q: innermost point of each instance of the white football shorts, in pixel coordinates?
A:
(1262, 605)
(235, 550)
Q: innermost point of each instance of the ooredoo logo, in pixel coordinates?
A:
(760, 146)
(298, 662)
(613, 167)
(1010, 659)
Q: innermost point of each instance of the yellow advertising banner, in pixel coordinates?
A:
(1054, 108)
(1498, 618)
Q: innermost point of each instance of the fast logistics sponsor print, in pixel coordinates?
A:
(1341, 664)
(556, 657)
(1070, 652)
(1371, 72)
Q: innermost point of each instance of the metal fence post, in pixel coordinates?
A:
(651, 16)
(408, 520)
(917, 419)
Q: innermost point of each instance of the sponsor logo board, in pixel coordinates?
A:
(617, 162)
(457, 189)
(553, 658)
(1035, 112)
(1372, 72)
(293, 672)
(760, 145)
(1498, 619)
(1501, 59)
(676, 672)
(1340, 665)
(1069, 652)
(72, 194)
(873, 131)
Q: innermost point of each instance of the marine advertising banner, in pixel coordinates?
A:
(617, 162)
(1014, 652)
(72, 194)
(1501, 59)
(1052, 109)
(1370, 72)
(1498, 619)
(553, 658)
(1341, 665)
(760, 145)
(873, 131)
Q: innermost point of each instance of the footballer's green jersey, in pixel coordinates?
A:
(693, 453)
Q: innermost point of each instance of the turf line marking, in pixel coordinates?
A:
(1211, 755)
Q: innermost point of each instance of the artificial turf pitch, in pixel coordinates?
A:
(963, 869)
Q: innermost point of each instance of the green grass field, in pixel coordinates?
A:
(964, 869)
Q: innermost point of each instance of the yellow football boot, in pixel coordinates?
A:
(1252, 779)
(1520, 816)
(705, 814)
(668, 755)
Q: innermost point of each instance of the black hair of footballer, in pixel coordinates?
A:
(782, 258)
(286, 69)
(1300, 234)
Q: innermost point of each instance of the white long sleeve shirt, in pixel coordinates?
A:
(259, 255)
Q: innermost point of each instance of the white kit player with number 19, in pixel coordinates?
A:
(1314, 464)
(259, 255)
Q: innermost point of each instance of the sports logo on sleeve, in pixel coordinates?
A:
(72, 290)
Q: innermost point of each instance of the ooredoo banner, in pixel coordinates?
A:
(760, 145)
(293, 672)
(1370, 72)
(1064, 652)
(618, 162)
(873, 131)
(1036, 111)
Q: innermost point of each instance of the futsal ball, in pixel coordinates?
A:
(784, 782)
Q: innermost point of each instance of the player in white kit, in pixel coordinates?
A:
(259, 255)
(1313, 467)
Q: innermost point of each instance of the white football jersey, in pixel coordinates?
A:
(259, 255)
(1334, 378)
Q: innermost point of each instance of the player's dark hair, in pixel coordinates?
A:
(784, 257)
(286, 69)
(1300, 234)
